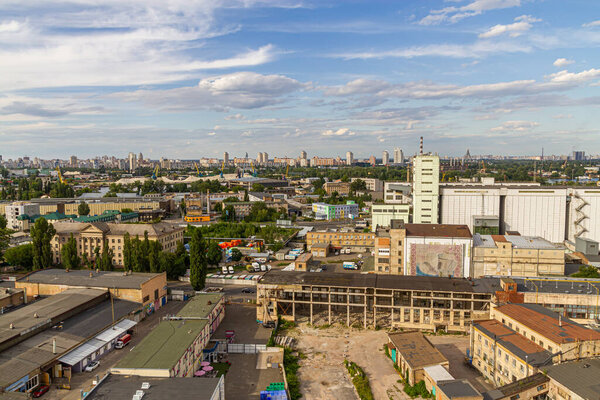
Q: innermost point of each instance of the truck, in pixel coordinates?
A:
(256, 266)
(349, 265)
(123, 341)
(263, 268)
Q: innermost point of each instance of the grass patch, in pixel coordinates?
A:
(221, 368)
(360, 380)
(291, 366)
(419, 389)
(282, 325)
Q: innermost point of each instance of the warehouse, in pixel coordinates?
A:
(174, 347)
(148, 289)
(64, 321)
(371, 300)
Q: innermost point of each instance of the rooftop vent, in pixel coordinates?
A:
(35, 315)
(146, 385)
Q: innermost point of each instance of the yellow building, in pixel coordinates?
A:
(90, 236)
(511, 255)
(389, 250)
(341, 239)
(342, 188)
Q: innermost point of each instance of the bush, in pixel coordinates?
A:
(419, 389)
(360, 380)
(291, 366)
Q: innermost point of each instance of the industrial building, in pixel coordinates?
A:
(426, 186)
(90, 236)
(147, 289)
(371, 300)
(397, 192)
(512, 255)
(372, 184)
(342, 188)
(340, 238)
(175, 347)
(117, 387)
(383, 214)
(33, 338)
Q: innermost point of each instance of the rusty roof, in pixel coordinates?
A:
(499, 238)
(514, 342)
(416, 350)
(547, 323)
(438, 230)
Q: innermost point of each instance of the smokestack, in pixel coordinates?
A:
(53, 345)
(208, 201)
(421, 146)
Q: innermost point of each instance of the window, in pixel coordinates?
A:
(155, 294)
(145, 299)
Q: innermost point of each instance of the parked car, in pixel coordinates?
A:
(269, 324)
(247, 290)
(92, 366)
(123, 341)
(39, 392)
(231, 269)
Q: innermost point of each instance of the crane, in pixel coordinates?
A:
(222, 168)
(155, 172)
(197, 169)
(287, 170)
(60, 177)
(482, 167)
(253, 170)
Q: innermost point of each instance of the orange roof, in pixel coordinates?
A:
(438, 230)
(510, 336)
(499, 238)
(546, 323)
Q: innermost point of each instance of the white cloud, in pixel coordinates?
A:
(515, 126)
(521, 25)
(591, 24)
(339, 132)
(235, 117)
(454, 14)
(565, 77)
(562, 62)
(10, 26)
(242, 90)
(211, 133)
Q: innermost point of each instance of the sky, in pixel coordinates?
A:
(187, 79)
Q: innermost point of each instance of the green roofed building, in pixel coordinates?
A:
(25, 221)
(175, 347)
(109, 216)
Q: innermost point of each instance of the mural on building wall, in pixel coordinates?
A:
(436, 260)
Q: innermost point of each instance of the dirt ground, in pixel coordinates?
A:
(323, 376)
(322, 373)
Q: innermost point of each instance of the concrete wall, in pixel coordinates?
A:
(460, 205)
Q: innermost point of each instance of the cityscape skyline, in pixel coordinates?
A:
(328, 77)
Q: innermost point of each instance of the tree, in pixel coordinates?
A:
(257, 187)
(358, 186)
(246, 196)
(127, 252)
(154, 256)
(41, 234)
(587, 272)
(83, 208)
(236, 255)
(20, 256)
(197, 260)
(228, 213)
(106, 259)
(68, 252)
(3, 222)
(214, 253)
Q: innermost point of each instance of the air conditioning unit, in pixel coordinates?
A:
(146, 385)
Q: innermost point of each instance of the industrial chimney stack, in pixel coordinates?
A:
(421, 146)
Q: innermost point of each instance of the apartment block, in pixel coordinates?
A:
(335, 211)
(372, 184)
(340, 238)
(511, 255)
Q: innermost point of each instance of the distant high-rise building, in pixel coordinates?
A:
(226, 158)
(578, 155)
(140, 158)
(259, 158)
(398, 156)
(426, 189)
(349, 158)
(467, 155)
(385, 160)
(372, 160)
(73, 161)
(132, 162)
(303, 155)
(265, 157)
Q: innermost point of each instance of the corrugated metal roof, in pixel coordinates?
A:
(438, 373)
(81, 352)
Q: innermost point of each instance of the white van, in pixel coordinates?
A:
(231, 269)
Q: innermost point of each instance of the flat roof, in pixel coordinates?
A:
(438, 230)
(81, 278)
(401, 282)
(516, 387)
(547, 323)
(119, 387)
(23, 319)
(458, 388)
(517, 241)
(163, 346)
(201, 305)
(416, 350)
(514, 342)
(581, 377)
(561, 285)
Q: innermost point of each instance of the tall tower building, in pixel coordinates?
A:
(140, 158)
(349, 158)
(73, 161)
(398, 156)
(259, 158)
(385, 159)
(426, 189)
(226, 158)
(303, 155)
(265, 157)
(132, 162)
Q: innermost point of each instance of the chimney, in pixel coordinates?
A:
(53, 345)
(421, 146)
(208, 201)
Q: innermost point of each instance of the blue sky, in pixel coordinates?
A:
(190, 79)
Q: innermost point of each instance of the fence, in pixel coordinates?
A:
(242, 348)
